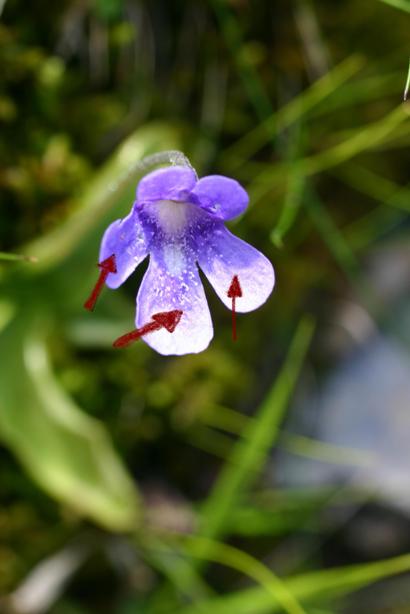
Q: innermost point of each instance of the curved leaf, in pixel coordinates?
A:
(67, 452)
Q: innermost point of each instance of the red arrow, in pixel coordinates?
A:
(234, 292)
(107, 266)
(164, 319)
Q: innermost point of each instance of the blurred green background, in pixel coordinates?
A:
(266, 475)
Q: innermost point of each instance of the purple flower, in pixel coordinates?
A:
(179, 221)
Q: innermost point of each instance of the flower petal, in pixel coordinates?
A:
(224, 256)
(171, 183)
(161, 291)
(127, 240)
(222, 197)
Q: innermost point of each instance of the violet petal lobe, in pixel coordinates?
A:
(222, 197)
(172, 183)
(177, 287)
(223, 256)
(127, 240)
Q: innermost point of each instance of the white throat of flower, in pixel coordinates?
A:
(171, 216)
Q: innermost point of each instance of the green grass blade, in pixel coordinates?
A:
(325, 452)
(395, 204)
(403, 5)
(293, 112)
(343, 254)
(371, 136)
(360, 91)
(407, 86)
(17, 257)
(369, 228)
(332, 236)
(235, 423)
(294, 189)
(377, 187)
(321, 584)
(211, 442)
(224, 554)
(177, 568)
(291, 206)
(225, 418)
(250, 452)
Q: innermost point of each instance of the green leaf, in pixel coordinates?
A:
(67, 453)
